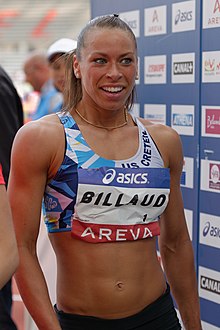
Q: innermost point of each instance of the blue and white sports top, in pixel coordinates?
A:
(101, 200)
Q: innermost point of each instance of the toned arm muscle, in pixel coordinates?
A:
(29, 166)
(175, 244)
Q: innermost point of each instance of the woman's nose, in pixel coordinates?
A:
(114, 72)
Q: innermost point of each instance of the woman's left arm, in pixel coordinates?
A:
(175, 244)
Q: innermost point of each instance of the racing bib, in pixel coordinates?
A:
(119, 204)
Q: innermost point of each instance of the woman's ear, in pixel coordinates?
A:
(76, 67)
(137, 71)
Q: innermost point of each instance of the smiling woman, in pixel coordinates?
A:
(111, 186)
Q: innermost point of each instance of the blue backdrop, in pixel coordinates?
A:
(179, 70)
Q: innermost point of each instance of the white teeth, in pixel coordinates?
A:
(112, 89)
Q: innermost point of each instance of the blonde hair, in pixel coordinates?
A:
(73, 87)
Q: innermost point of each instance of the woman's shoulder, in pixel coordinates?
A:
(39, 134)
(160, 130)
(166, 138)
(45, 125)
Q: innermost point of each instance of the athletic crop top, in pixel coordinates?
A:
(101, 200)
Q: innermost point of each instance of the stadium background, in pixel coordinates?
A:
(26, 25)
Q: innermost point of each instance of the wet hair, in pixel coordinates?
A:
(73, 89)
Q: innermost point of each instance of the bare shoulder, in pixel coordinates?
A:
(43, 130)
(41, 125)
(39, 142)
(167, 140)
(159, 130)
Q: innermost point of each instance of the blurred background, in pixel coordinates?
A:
(26, 25)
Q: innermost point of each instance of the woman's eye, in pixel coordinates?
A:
(100, 60)
(126, 60)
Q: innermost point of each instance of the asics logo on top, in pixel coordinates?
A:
(125, 178)
(109, 177)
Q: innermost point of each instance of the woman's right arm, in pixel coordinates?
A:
(31, 155)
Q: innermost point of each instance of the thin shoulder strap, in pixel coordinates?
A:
(66, 119)
(138, 122)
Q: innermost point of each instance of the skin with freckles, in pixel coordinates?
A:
(119, 60)
(118, 279)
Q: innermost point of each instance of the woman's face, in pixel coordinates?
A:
(58, 66)
(107, 68)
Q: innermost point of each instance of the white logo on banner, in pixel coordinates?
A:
(209, 284)
(155, 21)
(183, 16)
(155, 113)
(211, 121)
(210, 175)
(182, 119)
(132, 18)
(188, 173)
(209, 233)
(211, 67)
(211, 14)
(208, 326)
(155, 69)
(183, 68)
